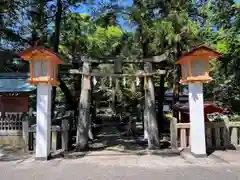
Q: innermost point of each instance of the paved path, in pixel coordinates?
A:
(83, 170)
(111, 165)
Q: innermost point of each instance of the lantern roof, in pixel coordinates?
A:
(37, 53)
(201, 52)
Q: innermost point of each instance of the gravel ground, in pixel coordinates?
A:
(85, 170)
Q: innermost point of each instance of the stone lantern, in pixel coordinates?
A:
(43, 73)
(43, 65)
(195, 72)
(195, 65)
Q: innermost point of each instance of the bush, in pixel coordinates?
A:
(235, 118)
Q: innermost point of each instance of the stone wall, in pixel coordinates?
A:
(11, 129)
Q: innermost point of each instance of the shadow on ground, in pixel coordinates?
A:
(11, 153)
(212, 150)
(111, 142)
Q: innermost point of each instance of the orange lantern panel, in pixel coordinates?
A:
(43, 65)
(195, 65)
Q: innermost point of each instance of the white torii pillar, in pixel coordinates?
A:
(197, 123)
(43, 124)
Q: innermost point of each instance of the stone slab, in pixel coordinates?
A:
(230, 156)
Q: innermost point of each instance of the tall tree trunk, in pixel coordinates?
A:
(38, 21)
(68, 95)
(56, 45)
(77, 88)
(58, 20)
(176, 75)
(42, 28)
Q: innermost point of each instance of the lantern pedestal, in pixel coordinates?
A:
(43, 126)
(197, 125)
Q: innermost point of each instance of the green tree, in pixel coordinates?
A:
(221, 31)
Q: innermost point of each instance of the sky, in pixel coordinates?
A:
(86, 9)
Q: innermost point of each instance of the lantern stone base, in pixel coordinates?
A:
(199, 155)
(42, 158)
(197, 125)
(43, 126)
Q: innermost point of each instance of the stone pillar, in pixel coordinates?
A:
(25, 133)
(150, 111)
(43, 126)
(117, 70)
(64, 135)
(84, 110)
(197, 125)
(145, 116)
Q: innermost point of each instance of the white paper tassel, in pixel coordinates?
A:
(124, 81)
(137, 81)
(94, 81)
(110, 81)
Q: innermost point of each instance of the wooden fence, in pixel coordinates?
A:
(57, 131)
(19, 129)
(219, 135)
(11, 129)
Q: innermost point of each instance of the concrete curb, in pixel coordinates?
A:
(109, 152)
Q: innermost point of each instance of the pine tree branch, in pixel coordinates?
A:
(14, 36)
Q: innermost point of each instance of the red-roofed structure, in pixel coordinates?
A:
(182, 110)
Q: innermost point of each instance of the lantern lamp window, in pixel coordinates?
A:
(185, 71)
(54, 73)
(44, 68)
(39, 69)
(198, 68)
